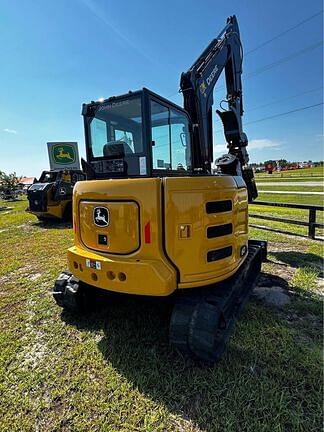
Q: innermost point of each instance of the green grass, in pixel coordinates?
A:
(291, 198)
(292, 188)
(114, 371)
(284, 212)
(305, 278)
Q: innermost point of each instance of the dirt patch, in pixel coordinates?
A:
(35, 344)
(28, 271)
(4, 279)
(286, 247)
(285, 272)
(34, 276)
(320, 286)
(29, 226)
(272, 296)
(275, 274)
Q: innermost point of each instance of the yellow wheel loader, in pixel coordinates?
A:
(153, 219)
(50, 198)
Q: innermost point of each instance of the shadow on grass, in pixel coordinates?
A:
(270, 280)
(253, 385)
(53, 224)
(300, 259)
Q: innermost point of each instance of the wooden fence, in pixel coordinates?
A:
(311, 224)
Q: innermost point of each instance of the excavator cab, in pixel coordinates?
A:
(152, 218)
(139, 134)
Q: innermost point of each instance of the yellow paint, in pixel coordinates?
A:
(175, 209)
(143, 276)
(147, 270)
(63, 155)
(122, 233)
(185, 204)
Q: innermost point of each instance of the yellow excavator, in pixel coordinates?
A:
(153, 218)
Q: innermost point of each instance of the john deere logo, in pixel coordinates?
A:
(63, 154)
(203, 88)
(101, 216)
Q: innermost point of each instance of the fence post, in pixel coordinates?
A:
(312, 221)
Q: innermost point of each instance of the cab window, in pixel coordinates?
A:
(126, 137)
(160, 136)
(170, 138)
(116, 129)
(98, 129)
(180, 141)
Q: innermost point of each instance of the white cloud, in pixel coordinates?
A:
(11, 131)
(220, 149)
(259, 144)
(254, 144)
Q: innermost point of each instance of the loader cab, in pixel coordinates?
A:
(139, 134)
(48, 176)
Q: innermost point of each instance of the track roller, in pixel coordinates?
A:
(203, 319)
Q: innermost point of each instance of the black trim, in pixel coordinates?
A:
(128, 95)
(165, 101)
(103, 239)
(219, 230)
(146, 125)
(163, 208)
(88, 111)
(218, 254)
(219, 206)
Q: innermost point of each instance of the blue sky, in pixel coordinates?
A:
(58, 54)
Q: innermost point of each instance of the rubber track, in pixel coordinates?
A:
(203, 319)
(68, 292)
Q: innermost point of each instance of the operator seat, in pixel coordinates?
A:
(119, 147)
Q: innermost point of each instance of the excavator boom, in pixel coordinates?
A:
(197, 84)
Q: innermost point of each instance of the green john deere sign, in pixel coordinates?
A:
(63, 155)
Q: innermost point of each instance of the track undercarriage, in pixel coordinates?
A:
(202, 319)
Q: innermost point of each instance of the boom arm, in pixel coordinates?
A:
(197, 85)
